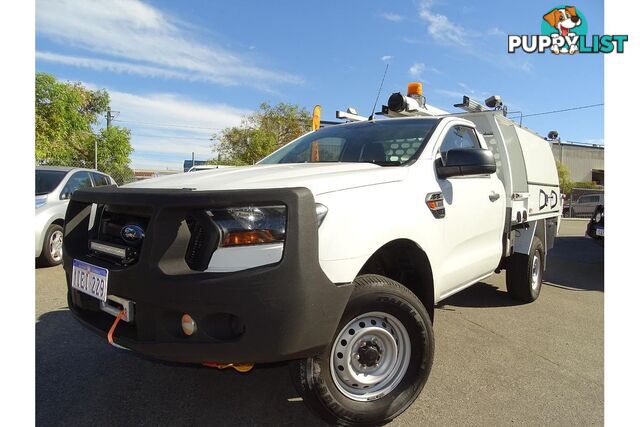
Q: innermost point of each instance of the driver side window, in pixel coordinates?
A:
(77, 181)
(459, 137)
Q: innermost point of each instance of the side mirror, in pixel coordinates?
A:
(466, 161)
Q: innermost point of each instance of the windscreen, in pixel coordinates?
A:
(383, 142)
(47, 181)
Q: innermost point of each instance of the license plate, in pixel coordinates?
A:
(90, 279)
(600, 231)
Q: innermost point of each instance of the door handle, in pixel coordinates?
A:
(493, 196)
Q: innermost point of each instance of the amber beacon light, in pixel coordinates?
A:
(414, 88)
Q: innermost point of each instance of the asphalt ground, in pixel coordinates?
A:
(497, 362)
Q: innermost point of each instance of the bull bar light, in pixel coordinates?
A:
(108, 249)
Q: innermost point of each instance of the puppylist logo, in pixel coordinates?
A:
(564, 31)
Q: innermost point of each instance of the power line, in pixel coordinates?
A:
(165, 125)
(170, 137)
(582, 107)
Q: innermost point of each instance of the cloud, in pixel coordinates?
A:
(450, 93)
(393, 17)
(495, 31)
(515, 62)
(165, 109)
(118, 67)
(465, 89)
(468, 41)
(440, 28)
(473, 92)
(166, 127)
(416, 70)
(386, 58)
(138, 38)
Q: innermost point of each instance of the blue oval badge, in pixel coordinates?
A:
(132, 233)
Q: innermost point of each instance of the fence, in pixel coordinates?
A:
(582, 202)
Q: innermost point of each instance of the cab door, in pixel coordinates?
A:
(474, 217)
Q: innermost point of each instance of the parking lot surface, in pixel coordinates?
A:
(497, 362)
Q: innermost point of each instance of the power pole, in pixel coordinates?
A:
(95, 141)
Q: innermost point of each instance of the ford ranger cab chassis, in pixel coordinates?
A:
(330, 253)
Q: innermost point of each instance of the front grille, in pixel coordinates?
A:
(106, 239)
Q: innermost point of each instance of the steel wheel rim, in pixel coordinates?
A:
(367, 334)
(55, 245)
(535, 272)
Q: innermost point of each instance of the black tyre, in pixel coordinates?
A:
(51, 247)
(378, 361)
(524, 273)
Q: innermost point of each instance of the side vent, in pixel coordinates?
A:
(204, 240)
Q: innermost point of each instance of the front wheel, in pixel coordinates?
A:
(52, 246)
(379, 359)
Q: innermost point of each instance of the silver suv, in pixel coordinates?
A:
(54, 186)
(584, 205)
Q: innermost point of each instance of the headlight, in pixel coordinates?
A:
(251, 225)
(321, 212)
(41, 201)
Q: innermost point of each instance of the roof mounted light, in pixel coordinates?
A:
(412, 104)
(494, 102)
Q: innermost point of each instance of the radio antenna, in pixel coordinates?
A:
(373, 111)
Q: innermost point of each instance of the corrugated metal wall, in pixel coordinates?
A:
(580, 160)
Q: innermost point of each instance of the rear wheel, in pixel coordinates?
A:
(52, 246)
(524, 273)
(378, 361)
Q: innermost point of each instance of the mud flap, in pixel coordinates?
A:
(524, 238)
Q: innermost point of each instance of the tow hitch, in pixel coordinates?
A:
(122, 309)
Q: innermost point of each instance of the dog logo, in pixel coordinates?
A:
(565, 20)
(564, 31)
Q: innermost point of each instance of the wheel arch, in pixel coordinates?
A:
(404, 261)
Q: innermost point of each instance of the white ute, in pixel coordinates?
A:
(411, 208)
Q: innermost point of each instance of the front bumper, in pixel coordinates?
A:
(265, 314)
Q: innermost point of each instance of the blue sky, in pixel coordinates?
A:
(179, 71)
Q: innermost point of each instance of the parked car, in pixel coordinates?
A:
(595, 228)
(585, 205)
(54, 187)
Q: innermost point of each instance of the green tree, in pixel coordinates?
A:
(67, 115)
(566, 184)
(564, 177)
(261, 133)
